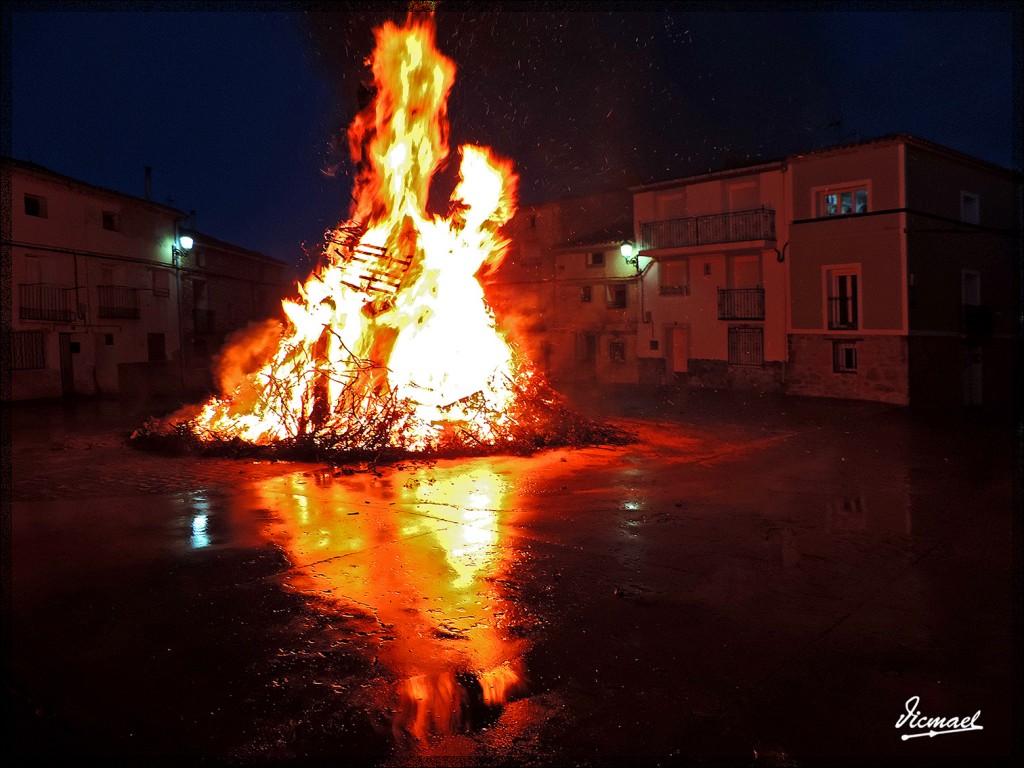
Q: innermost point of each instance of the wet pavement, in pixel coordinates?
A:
(757, 581)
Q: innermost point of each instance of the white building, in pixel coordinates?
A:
(96, 278)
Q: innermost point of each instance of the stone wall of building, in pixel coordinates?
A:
(881, 368)
(719, 374)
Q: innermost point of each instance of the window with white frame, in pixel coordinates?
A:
(842, 297)
(970, 208)
(595, 259)
(843, 201)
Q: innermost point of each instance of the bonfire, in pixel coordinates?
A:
(390, 346)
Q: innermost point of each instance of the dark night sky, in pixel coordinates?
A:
(238, 112)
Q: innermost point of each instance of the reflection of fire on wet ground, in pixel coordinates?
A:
(421, 570)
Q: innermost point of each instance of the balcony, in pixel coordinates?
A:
(741, 303)
(738, 227)
(118, 302)
(205, 320)
(45, 302)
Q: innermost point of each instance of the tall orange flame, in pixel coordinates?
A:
(390, 341)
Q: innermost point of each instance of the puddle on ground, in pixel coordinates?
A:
(418, 564)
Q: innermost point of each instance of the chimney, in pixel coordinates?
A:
(149, 182)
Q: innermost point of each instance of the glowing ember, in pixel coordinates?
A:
(390, 342)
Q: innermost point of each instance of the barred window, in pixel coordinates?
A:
(28, 350)
(746, 345)
(844, 357)
(617, 350)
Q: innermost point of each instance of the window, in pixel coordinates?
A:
(586, 347)
(533, 221)
(843, 298)
(595, 259)
(843, 202)
(586, 294)
(28, 350)
(616, 295)
(674, 278)
(35, 206)
(108, 339)
(707, 269)
(654, 345)
(746, 345)
(156, 347)
(617, 350)
(161, 282)
(970, 208)
(844, 357)
(111, 221)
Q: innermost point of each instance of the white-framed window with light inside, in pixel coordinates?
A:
(970, 208)
(843, 199)
(842, 293)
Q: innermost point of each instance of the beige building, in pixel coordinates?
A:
(901, 274)
(106, 299)
(565, 295)
(881, 270)
(715, 291)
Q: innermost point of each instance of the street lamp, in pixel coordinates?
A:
(628, 251)
(184, 245)
(179, 249)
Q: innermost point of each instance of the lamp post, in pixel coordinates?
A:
(180, 246)
(629, 253)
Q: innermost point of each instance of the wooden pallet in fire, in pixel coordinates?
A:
(370, 268)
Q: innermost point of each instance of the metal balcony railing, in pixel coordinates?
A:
(205, 320)
(741, 303)
(45, 302)
(118, 302)
(756, 224)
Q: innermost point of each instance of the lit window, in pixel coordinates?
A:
(843, 202)
(843, 298)
(586, 294)
(844, 357)
(595, 259)
(35, 206)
